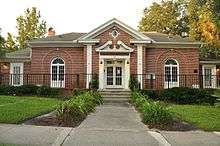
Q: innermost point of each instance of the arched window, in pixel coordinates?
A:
(57, 73)
(171, 73)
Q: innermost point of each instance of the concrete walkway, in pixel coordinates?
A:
(108, 126)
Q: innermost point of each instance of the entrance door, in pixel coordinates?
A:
(209, 77)
(114, 74)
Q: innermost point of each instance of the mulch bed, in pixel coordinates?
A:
(50, 120)
(176, 125)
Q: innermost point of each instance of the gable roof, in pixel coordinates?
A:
(136, 34)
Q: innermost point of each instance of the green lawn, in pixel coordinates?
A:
(15, 110)
(204, 117)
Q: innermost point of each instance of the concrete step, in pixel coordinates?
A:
(115, 93)
(115, 96)
(116, 100)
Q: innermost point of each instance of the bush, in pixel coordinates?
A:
(94, 84)
(48, 92)
(18, 90)
(133, 83)
(152, 113)
(188, 96)
(152, 94)
(77, 108)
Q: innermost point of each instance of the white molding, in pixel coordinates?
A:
(213, 70)
(141, 41)
(88, 41)
(103, 46)
(137, 34)
(88, 64)
(140, 64)
(106, 48)
(12, 65)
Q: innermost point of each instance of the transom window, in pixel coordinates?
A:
(57, 73)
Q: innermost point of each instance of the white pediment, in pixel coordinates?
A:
(120, 47)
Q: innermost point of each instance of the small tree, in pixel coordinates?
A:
(2, 47)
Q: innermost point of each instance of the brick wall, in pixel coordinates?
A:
(74, 59)
(188, 60)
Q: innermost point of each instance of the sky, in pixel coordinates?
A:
(73, 15)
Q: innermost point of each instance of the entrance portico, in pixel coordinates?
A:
(114, 65)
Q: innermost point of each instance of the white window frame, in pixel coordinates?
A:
(57, 83)
(12, 65)
(213, 75)
(171, 83)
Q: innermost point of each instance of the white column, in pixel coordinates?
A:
(140, 64)
(127, 73)
(88, 64)
(101, 73)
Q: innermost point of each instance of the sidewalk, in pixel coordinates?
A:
(108, 126)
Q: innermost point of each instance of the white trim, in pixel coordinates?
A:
(140, 64)
(171, 85)
(142, 41)
(112, 21)
(88, 65)
(57, 83)
(12, 65)
(213, 73)
(87, 41)
(103, 46)
(106, 48)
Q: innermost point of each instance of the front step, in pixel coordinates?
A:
(115, 96)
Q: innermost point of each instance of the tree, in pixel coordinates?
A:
(204, 26)
(2, 42)
(200, 19)
(10, 43)
(164, 18)
(29, 26)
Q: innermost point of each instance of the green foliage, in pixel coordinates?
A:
(78, 107)
(188, 96)
(29, 90)
(29, 27)
(153, 113)
(152, 94)
(133, 83)
(11, 43)
(163, 18)
(94, 84)
(48, 91)
(201, 22)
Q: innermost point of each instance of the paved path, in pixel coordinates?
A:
(108, 126)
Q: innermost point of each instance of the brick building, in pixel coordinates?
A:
(111, 53)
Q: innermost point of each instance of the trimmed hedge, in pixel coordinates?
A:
(78, 107)
(152, 113)
(29, 90)
(182, 95)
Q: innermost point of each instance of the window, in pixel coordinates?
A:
(57, 73)
(171, 72)
(16, 71)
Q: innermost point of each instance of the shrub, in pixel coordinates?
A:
(152, 94)
(77, 108)
(18, 90)
(94, 84)
(133, 83)
(188, 96)
(48, 92)
(152, 113)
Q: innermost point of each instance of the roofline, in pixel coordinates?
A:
(114, 20)
(172, 45)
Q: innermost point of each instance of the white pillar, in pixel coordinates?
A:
(101, 73)
(140, 64)
(88, 65)
(127, 73)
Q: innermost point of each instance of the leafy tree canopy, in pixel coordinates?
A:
(29, 26)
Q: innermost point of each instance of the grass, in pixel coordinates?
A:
(203, 117)
(15, 110)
